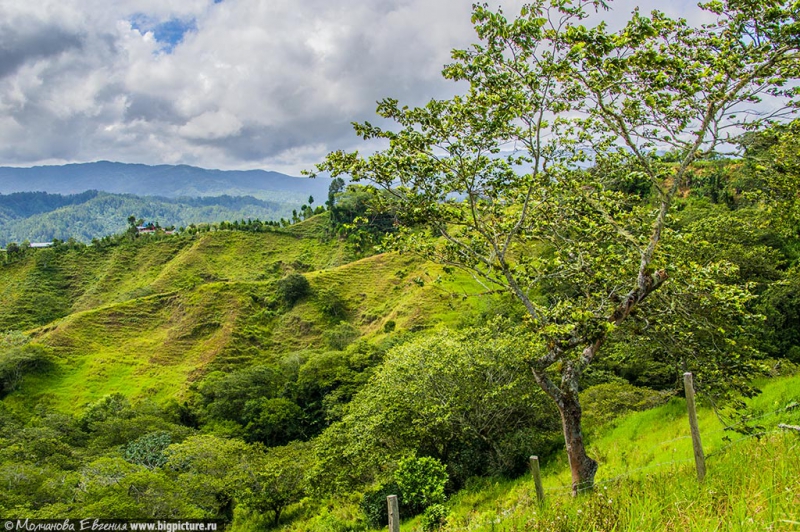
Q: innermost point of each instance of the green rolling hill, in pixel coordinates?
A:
(139, 377)
(147, 318)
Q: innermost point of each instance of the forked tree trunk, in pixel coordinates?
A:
(565, 396)
(583, 467)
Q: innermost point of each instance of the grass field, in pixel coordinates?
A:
(647, 479)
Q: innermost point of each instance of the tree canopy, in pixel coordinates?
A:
(514, 177)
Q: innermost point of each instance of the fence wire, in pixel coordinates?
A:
(586, 486)
(589, 485)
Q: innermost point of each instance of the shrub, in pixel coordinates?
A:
(293, 288)
(436, 393)
(389, 326)
(11, 339)
(19, 361)
(780, 303)
(331, 303)
(434, 517)
(374, 505)
(224, 395)
(272, 421)
(341, 336)
(422, 481)
(148, 451)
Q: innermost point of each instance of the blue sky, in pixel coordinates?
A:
(168, 33)
(235, 84)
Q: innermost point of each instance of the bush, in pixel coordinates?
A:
(331, 303)
(341, 336)
(224, 395)
(431, 397)
(272, 421)
(780, 303)
(434, 517)
(148, 451)
(374, 505)
(17, 362)
(293, 288)
(422, 481)
(389, 326)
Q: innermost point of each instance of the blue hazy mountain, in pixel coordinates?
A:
(162, 180)
(42, 217)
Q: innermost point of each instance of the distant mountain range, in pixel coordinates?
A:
(90, 200)
(41, 217)
(163, 180)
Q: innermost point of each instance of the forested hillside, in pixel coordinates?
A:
(521, 270)
(42, 217)
(140, 353)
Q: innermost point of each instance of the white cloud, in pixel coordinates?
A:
(255, 84)
(210, 126)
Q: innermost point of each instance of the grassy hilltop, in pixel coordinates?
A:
(149, 317)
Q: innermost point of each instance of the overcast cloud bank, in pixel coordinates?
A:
(231, 84)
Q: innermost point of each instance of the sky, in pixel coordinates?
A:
(229, 84)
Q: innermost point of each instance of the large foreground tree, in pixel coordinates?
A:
(544, 179)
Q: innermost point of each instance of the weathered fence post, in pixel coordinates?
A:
(537, 479)
(699, 458)
(394, 513)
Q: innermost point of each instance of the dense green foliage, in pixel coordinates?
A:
(462, 397)
(25, 204)
(286, 374)
(421, 481)
(222, 357)
(18, 358)
(583, 251)
(292, 288)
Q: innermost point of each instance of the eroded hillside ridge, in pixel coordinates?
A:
(149, 317)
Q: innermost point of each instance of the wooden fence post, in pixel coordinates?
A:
(699, 458)
(394, 513)
(537, 479)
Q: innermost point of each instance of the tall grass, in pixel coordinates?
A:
(648, 482)
(752, 486)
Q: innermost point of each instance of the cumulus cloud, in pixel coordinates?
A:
(224, 84)
(211, 126)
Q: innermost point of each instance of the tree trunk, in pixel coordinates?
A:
(565, 397)
(582, 466)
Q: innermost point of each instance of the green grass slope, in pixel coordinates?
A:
(647, 479)
(147, 347)
(51, 284)
(149, 318)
